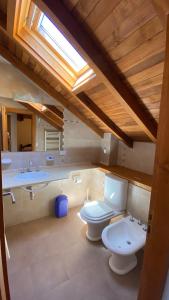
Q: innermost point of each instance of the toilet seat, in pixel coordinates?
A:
(97, 211)
(98, 214)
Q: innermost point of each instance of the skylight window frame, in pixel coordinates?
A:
(58, 45)
(27, 34)
(35, 18)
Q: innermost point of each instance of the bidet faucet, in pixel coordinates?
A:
(131, 218)
(145, 227)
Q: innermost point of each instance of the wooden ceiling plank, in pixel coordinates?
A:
(104, 118)
(47, 88)
(122, 11)
(135, 39)
(85, 8)
(148, 73)
(142, 53)
(162, 9)
(101, 64)
(101, 11)
(121, 30)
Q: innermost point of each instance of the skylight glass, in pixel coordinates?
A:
(60, 44)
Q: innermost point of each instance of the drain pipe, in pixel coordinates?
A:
(32, 191)
(11, 195)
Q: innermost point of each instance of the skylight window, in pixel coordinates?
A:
(56, 39)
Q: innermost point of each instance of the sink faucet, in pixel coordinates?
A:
(30, 164)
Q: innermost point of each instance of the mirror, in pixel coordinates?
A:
(35, 127)
(21, 132)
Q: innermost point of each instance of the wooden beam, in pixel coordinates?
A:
(99, 61)
(49, 113)
(12, 10)
(87, 102)
(47, 88)
(42, 115)
(18, 111)
(55, 110)
(156, 257)
(162, 9)
(3, 20)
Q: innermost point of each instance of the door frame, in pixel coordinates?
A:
(4, 111)
(4, 283)
(156, 256)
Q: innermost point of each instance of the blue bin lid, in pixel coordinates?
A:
(61, 197)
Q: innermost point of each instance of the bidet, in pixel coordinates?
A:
(124, 238)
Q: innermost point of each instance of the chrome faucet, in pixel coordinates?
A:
(131, 218)
(30, 164)
(140, 222)
(145, 228)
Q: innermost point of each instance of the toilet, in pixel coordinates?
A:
(97, 214)
(123, 239)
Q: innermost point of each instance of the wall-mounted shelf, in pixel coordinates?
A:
(135, 177)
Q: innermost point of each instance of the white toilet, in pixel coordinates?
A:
(98, 214)
(124, 238)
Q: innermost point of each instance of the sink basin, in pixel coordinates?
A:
(34, 175)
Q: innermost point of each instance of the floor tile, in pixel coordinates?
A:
(22, 285)
(52, 259)
(47, 274)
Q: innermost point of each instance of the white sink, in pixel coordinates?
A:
(34, 175)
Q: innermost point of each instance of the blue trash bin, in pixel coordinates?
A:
(61, 206)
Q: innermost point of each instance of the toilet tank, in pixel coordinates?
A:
(115, 192)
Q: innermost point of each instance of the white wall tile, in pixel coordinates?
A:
(43, 205)
(138, 202)
(140, 157)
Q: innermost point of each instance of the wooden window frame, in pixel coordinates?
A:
(26, 32)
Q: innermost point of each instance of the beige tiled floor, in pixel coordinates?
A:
(52, 260)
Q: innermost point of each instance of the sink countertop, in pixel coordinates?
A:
(55, 173)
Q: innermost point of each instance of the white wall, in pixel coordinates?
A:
(92, 179)
(14, 84)
(109, 150)
(140, 157)
(13, 132)
(41, 126)
(80, 142)
(138, 202)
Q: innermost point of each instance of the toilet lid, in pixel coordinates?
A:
(97, 210)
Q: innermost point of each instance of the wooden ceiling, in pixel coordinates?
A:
(124, 42)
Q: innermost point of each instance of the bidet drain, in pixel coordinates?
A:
(128, 242)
